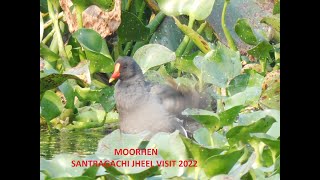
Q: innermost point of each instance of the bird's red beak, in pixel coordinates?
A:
(116, 73)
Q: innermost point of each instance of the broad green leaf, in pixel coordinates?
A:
(106, 98)
(96, 50)
(219, 65)
(170, 147)
(118, 140)
(86, 94)
(244, 168)
(144, 174)
(208, 119)
(261, 51)
(198, 152)
(152, 55)
(207, 139)
(73, 178)
(131, 28)
(198, 40)
(222, 164)
(43, 6)
(168, 37)
(61, 166)
(90, 114)
(273, 21)
(91, 171)
(270, 97)
(198, 9)
(41, 27)
(244, 31)
(253, 10)
(54, 80)
(51, 105)
(244, 89)
(68, 91)
(242, 133)
(248, 118)
(229, 116)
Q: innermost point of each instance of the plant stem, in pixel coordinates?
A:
(229, 38)
(141, 10)
(220, 107)
(56, 27)
(79, 16)
(185, 40)
(48, 23)
(46, 39)
(127, 48)
(153, 25)
(191, 43)
(128, 5)
(153, 6)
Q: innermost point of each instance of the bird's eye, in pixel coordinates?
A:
(125, 66)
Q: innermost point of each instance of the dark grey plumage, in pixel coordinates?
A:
(145, 106)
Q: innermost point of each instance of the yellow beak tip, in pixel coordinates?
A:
(111, 79)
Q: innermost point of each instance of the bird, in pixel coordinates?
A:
(145, 106)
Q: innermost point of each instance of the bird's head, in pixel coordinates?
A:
(125, 68)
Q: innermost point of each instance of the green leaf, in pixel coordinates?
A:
(84, 4)
(68, 91)
(90, 114)
(244, 89)
(207, 139)
(91, 172)
(170, 147)
(54, 80)
(273, 143)
(168, 37)
(131, 28)
(222, 164)
(61, 166)
(152, 55)
(86, 94)
(198, 9)
(242, 133)
(272, 21)
(185, 63)
(198, 40)
(276, 8)
(48, 55)
(219, 65)
(144, 174)
(96, 50)
(198, 152)
(270, 97)
(229, 116)
(246, 119)
(106, 98)
(73, 178)
(244, 168)
(244, 31)
(51, 105)
(208, 119)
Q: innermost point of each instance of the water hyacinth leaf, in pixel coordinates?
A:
(242, 133)
(219, 65)
(244, 168)
(152, 55)
(48, 55)
(90, 114)
(208, 139)
(198, 152)
(131, 28)
(270, 97)
(74, 178)
(186, 64)
(67, 88)
(229, 116)
(54, 80)
(222, 164)
(244, 89)
(81, 71)
(198, 9)
(118, 140)
(51, 105)
(261, 51)
(168, 37)
(276, 8)
(198, 40)
(86, 94)
(273, 143)
(91, 172)
(273, 21)
(208, 119)
(61, 166)
(96, 50)
(244, 31)
(170, 147)
(106, 98)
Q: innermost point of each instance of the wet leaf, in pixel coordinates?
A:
(222, 164)
(242, 133)
(152, 55)
(132, 28)
(244, 31)
(207, 139)
(273, 143)
(51, 105)
(229, 116)
(198, 9)
(208, 119)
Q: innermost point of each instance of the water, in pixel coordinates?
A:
(82, 143)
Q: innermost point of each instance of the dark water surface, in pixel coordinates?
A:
(80, 142)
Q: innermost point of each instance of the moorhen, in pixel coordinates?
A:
(146, 106)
